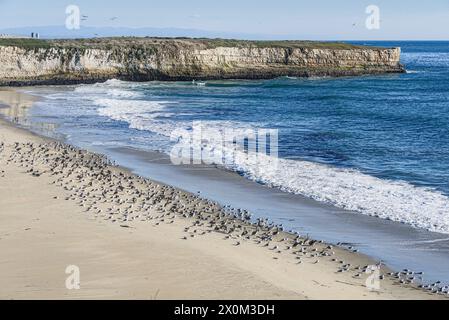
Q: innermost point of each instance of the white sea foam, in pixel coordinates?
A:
(139, 114)
(113, 88)
(413, 71)
(352, 190)
(348, 189)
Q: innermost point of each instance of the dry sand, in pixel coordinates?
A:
(136, 239)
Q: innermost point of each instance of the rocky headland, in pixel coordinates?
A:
(45, 62)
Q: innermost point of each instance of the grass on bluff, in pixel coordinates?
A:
(154, 42)
(213, 43)
(106, 43)
(24, 43)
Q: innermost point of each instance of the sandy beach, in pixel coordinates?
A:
(133, 238)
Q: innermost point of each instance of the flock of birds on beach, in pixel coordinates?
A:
(110, 193)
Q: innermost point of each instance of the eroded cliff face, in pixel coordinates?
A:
(187, 61)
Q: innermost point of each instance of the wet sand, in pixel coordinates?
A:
(133, 238)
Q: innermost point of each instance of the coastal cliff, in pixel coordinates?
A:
(144, 59)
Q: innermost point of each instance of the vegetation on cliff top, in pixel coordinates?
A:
(25, 43)
(160, 43)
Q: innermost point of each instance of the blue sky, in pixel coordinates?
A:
(312, 19)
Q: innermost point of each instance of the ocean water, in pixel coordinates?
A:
(376, 145)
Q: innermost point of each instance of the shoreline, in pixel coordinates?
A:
(274, 273)
(379, 239)
(56, 82)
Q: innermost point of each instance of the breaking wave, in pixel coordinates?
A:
(348, 189)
